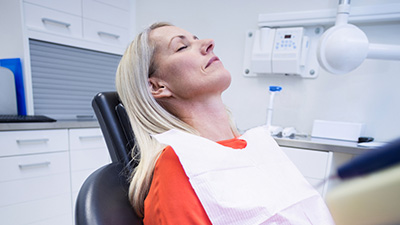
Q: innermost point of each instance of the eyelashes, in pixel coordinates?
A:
(181, 48)
(184, 42)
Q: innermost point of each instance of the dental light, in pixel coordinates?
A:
(343, 47)
(294, 43)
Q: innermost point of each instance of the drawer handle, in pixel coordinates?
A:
(90, 137)
(101, 33)
(84, 116)
(31, 165)
(27, 141)
(47, 20)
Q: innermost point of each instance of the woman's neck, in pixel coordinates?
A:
(214, 126)
(209, 117)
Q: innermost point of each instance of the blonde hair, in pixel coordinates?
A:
(147, 117)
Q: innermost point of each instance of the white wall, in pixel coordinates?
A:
(369, 95)
(11, 37)
(14, 44)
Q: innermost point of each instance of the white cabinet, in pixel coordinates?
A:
(30, 142)
(106, 13)
(312, 164)
(122, 4)
(42, 19)
(97, 25)
(73, 7)
(88, 152)
(105, 23)
(35, 177)
(317, 166)
(41, 172)
(105, 33)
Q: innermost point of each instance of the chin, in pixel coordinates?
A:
(226, 80)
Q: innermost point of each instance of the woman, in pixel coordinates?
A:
(170, 81)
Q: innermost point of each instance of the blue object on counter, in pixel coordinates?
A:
(377, 159)
(15, 66)
(275, 88)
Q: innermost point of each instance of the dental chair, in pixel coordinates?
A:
(103, 198)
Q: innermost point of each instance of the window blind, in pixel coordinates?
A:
(65, 79)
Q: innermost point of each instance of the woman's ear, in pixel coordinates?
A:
(158, 89)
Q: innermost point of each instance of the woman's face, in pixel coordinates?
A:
(186, 66)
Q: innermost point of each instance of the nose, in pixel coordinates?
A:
(207, 46)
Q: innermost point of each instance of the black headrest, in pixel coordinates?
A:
(127, 128)
(115, 126)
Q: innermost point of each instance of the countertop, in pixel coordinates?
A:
(296, 142)
(322, 144)
(53, 125)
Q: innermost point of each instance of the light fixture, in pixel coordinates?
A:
(343, 47)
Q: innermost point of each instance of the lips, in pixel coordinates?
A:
(213, 59)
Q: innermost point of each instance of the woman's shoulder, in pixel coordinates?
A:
(168, 173)
(168, 160)
(171, 198)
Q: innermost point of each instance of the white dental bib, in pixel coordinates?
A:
(255, 185)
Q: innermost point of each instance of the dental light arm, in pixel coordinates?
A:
(343, 47)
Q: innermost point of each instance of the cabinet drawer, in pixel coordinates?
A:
(71, 6)
(59, 220)
(41, 210)
(51, 21)
(105, 13)
(28, 142)
(31, 166)
(86, 139)
(122, 4)
(33, 189)
(317, 184)
(105, 33)
(312, 164)
(78, 178)
(89, 159)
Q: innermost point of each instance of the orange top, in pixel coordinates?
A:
(171, 198)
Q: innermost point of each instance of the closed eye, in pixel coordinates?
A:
(181, 48)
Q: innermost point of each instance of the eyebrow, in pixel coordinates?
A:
(182, 37)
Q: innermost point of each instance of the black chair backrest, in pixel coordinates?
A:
(103, 199)
(115, 125)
